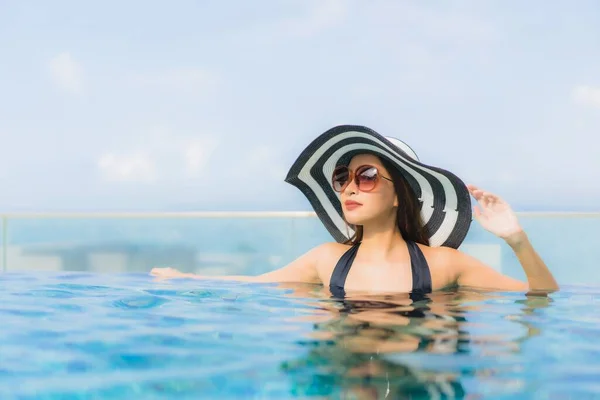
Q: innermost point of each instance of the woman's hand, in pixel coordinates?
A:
(168, 273)
(496, 216)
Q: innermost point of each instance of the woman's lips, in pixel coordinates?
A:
(351, 205)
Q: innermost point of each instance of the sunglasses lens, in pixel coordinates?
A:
(340, 179)
(367, 178)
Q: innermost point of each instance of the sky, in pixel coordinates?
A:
(204, 105)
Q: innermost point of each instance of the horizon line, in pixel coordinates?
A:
(233, 214)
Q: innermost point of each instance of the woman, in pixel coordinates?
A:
(397, 222)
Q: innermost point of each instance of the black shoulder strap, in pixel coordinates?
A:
(340, 272)
(420, 269)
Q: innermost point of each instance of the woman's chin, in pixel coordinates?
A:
(354, 218)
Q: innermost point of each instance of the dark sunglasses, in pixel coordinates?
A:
(366, 178)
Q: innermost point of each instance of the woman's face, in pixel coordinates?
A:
(360, 207)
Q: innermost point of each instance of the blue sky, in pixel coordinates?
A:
(204, 105)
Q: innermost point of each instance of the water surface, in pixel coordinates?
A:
(91, 336)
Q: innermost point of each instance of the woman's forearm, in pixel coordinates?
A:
(301, 270)
(538, 275)
(240, 278)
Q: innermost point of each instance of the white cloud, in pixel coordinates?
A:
(157, 155)
(430, 25)
(264, 161)
(67, 73)
(131, 167)
(197, 153)
(178, 79)
(325, 15)
(452, 24)
(309, 19)
(586, 95)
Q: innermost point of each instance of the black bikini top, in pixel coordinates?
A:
(421, 276)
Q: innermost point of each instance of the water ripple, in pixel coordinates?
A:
(85, 336)
(139, 302)
(60, 294)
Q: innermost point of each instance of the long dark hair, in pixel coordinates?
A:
(408, 218)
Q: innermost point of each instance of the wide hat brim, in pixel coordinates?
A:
(445, 199)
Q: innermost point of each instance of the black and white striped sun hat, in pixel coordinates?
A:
(445, 200)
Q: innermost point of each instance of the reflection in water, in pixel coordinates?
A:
(363, 349)
(108, 336)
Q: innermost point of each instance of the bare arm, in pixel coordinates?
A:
(472, 272)
(538, 275)
(301, 270)
(497, 217)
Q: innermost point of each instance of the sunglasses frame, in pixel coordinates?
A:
(353, 176)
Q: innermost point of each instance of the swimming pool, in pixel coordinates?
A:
(124, 336)
(237, 243)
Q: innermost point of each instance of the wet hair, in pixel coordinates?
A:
(408, 216)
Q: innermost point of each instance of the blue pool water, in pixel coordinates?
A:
(93, 336)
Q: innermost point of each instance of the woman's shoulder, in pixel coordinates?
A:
(442, 260)
(327, 256)
(332, 249)
(439, 254)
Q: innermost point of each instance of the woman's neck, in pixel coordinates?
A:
(380, 239)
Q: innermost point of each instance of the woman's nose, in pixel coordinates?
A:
(351, 188)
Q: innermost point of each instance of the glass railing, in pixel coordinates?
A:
(253, 243)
